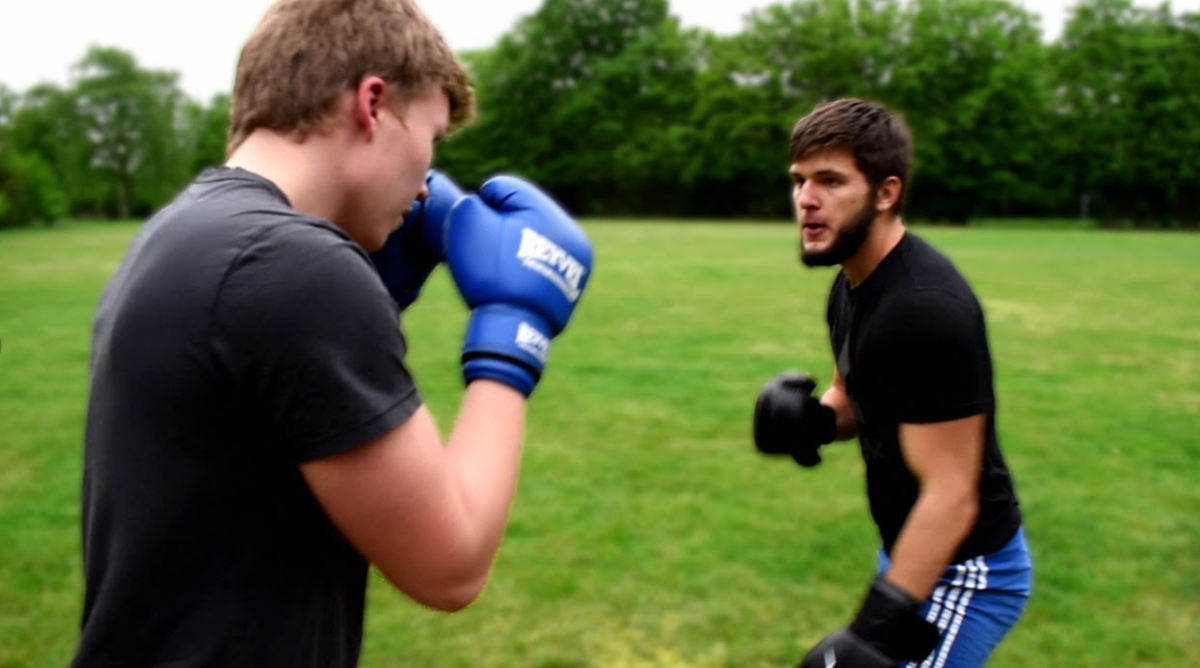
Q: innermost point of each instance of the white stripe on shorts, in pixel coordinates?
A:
(949, 604)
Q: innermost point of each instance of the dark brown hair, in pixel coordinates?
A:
(305, 53)
(878, 139)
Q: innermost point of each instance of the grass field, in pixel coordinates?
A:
(647, 532)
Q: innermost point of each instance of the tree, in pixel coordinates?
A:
(129, 118)
(29, 190)
(38, 156)
(45, 126)
(544, 112)
(816, 50)
(969, 76)
(204, 132)
(652, 89)
(8, 106)
(758, 83)
(740, 162)
(1130, 78)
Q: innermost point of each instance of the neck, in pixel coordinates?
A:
(305, 170)
(886, 232)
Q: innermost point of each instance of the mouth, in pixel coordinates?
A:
(404, 216)
(811, 230)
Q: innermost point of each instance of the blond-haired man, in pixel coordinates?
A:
(254, 439)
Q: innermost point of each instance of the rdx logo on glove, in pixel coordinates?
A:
(548, 259)
(532, 341)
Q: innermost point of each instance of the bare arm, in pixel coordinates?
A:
(430, 517)
(836, 398)
(947, 459)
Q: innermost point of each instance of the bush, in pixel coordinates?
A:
(29, 191)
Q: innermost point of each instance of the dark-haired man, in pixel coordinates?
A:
(913, 380)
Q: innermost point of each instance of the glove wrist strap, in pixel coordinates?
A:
(824, 424)
(890, 620)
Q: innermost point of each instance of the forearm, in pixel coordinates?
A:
(485, 453)
(936, 526)
(431, 516)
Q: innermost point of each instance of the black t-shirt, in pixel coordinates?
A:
(911, 345)
(237, 339)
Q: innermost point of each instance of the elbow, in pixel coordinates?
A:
(452, 599)
(450, 595)
(445, 575)
(956, 507)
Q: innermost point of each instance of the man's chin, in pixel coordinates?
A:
(372, 240)
(818, 258)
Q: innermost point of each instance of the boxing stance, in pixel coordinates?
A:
(912, 379)
(254, 438)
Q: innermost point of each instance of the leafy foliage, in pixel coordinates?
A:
(618, 110)
(1131, 86)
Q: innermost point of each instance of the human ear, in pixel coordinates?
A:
(888, 193)
(368, 100)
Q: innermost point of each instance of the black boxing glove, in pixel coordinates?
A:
(888, 630)
(789, 419)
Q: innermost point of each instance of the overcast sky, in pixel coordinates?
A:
(40, 39)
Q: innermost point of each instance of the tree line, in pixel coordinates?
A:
(619, 111)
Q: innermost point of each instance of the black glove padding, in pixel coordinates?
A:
(887, 630)
(843, 649)
(789, 420)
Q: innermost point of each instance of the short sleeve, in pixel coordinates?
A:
(312, 342)
(933, 354)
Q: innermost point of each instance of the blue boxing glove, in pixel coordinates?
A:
(412, 252)
(521, 264)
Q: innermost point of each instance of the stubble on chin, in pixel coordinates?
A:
(846, 241)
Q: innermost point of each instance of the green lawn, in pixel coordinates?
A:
(647, 532)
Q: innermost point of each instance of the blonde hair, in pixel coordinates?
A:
(305, 53)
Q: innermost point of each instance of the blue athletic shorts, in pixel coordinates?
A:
(975, 603)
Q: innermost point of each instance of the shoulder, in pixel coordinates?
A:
(273, 258)
(928, 302)
(921, 282)
(297, 239)
(928, 306)
(927, 268)
(225, 214)
(262, 235)
(303, 262)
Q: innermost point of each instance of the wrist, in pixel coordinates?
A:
(505, 370)
(821, 424)
(506, 344)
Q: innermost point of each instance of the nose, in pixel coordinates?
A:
(424, 194)
(804, 197)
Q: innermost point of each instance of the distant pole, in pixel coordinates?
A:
(1083, 207)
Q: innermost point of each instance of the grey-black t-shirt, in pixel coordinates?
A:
(237, 340)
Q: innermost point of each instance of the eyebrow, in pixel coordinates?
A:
(828, 171)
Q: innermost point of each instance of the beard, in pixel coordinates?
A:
(846, 241)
